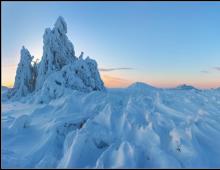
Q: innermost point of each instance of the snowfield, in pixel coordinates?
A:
(135, 127)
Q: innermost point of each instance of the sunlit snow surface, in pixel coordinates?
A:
(139, 126)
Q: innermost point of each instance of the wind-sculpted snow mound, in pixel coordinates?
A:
(119, 128)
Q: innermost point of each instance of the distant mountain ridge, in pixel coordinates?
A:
(185, 87)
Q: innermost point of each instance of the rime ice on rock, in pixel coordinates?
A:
(58, 70)
(82, 75)
(58, 51)
(25, 79)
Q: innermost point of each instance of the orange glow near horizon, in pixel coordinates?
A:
(116, 81)
(8, 84)
(112, 81)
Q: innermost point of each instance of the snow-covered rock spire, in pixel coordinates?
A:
(60, 25)
(59, 69)
(58, 51)
(24, 80)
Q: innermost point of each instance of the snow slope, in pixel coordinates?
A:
(139, 126)
(4, 92)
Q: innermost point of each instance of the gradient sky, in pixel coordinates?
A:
(161, 43)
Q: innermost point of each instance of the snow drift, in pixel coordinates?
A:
(136, 127)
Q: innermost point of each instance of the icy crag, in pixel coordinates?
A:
(58, 70)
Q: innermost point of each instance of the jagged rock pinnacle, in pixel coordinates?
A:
(24, 82)
(61, 25)
(59, 68)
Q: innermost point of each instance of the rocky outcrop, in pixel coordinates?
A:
(58, 51)
(59, 68)
(25, 79)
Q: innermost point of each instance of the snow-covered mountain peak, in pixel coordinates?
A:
(185, 87)
(140, 85)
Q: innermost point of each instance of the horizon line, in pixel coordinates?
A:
(156, 86)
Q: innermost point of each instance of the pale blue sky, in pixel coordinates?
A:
(166, 43)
